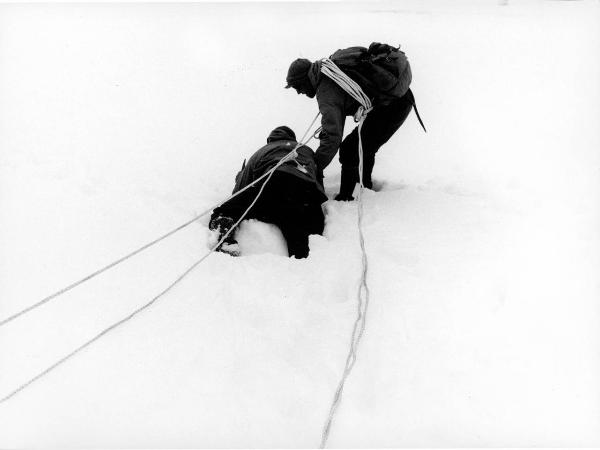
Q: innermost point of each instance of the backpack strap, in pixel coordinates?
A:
(414, 103)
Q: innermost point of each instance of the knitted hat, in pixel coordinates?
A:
(282, 133)
(297, 72)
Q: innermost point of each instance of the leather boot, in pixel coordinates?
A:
(347, 184)
(368, 164)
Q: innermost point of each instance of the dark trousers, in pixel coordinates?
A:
(287, 202)
(379, 126)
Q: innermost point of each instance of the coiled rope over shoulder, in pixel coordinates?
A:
(331, 70)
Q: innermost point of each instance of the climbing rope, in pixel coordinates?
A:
(150, 244)
(290, 156)
(331, 70)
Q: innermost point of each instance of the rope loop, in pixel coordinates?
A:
(317, 133)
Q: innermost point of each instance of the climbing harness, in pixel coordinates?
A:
(290, 156)
(331, 70)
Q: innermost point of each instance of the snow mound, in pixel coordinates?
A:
(256, 237)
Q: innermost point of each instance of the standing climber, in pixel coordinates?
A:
(391, 106)
(291, 199)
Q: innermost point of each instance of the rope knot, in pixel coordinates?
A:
(361, 113)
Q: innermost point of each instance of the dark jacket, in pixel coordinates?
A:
(267, 157)
(334, 104)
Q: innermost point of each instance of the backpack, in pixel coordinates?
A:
(382, 71)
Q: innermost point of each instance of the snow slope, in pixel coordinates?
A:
(120, 122)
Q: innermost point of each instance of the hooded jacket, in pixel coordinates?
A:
(334, 104)
(281, 141)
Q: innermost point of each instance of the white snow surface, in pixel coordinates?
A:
(119, 122)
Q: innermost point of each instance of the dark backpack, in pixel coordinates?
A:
(382, 71)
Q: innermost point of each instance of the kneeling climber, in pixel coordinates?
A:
(291, 200)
